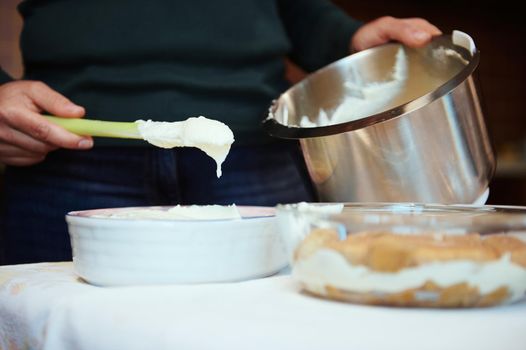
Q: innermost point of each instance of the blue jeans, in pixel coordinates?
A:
(36, 198)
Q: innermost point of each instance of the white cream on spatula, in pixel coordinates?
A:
(211, 136)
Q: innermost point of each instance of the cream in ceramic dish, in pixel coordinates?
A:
(110, 249)
(178, 212)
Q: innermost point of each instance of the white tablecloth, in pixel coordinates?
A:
(45, 306)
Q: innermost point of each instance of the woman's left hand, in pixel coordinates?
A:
(413, 32)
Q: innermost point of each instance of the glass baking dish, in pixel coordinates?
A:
(406, 254)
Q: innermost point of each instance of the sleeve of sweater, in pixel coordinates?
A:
(319, 31)
(4, 77)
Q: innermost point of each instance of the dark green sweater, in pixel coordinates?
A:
(169, 59)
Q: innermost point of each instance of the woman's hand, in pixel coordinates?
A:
(414, 32)
(25, 136)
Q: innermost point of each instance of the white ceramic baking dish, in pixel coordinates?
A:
(122, 251)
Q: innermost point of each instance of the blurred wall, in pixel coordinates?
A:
(10, 26)
(10, 60)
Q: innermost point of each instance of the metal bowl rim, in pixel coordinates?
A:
(412, 206)
(274, 128)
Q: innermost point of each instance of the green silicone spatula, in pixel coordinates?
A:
(211, 136)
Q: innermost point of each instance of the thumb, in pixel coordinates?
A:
(389, 28)
(406, 32)
(53, 102)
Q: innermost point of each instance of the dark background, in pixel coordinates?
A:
(498, 29)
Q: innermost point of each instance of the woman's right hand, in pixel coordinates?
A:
(25, 136)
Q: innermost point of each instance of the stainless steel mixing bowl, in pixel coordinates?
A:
(429, 144)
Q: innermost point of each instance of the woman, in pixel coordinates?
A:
(164, 60)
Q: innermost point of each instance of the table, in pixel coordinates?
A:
(45, 306)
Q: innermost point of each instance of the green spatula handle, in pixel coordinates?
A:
(82, 126)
